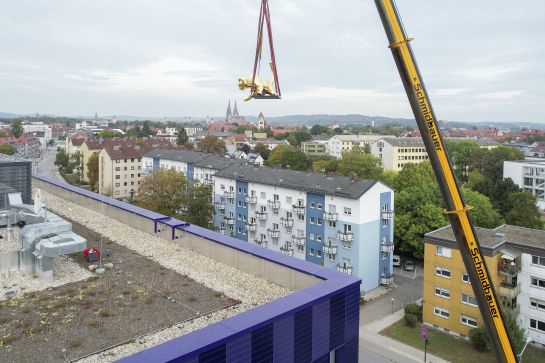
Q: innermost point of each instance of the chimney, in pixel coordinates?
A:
(354, 176)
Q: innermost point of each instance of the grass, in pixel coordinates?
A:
(449, 347)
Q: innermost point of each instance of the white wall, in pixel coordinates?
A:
(528, 291)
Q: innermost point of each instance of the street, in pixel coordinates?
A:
(46, 164)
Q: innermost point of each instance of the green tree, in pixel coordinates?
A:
(163, 191)
(132, 132)
(92, 170)
(490, 162)
(108, 134)
(211, 144)
(461, 154)
(415, 175)
(17, 129)
(319, 129)
(524, 211)
(146, 130)
(7, 149)
(325, 165)
(289, 157)
(182, 137)
(199, 209)
(262, 150)
(61, 159)
(388, 177)
(483, 213)
(366, 166)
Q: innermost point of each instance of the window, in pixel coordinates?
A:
(385, 223)
(319, 238)
(442, 312)
(538, 325)
(240, 203)
(469, 321)
(312, 205)
(332, 224)
(537, 304)
(117, 168)
(319, 253)
(118, 177)
(117, 184)
(222, 186)
(538, 260)
(239, 190)
(443, 251)
(312, 220)
(332, 208)
(319, 206)
(288, 200)
(469, 300)
(465, 278)
(301, 217)
(439, 291)
(319, 221)
(117, 161)
(311, 236)
(348, 211)
(311, 252)
(441, 271)
(538, 282)
(263, 195)
(300, 248)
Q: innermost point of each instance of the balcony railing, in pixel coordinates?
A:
(347, 269)
(208, 181)
(220, 230)
(250, 227)
(229, 220)
(386, 279)
(509, 269)
(345, 236)
(220, 205)
(298, 209)
(261, 242)
(298, 240)
(287, 249)
(288, 222)
(389, 214)
(330, 249)
(274, 233)
(386, 247)
(274, 204)
(251, 199)
(229, 194)
(262, 216)
(508, 290)
(331, 216)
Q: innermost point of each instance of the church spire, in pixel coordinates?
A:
(229, 114)
(235, 110)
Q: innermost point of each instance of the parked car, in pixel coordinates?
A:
(396, 260)
(408, 265)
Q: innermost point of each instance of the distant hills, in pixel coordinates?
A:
(7, 115)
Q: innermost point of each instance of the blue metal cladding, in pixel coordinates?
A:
(314, 250)
(320, 329)
(303, 336)
(336, 321)
(215, 355)
(262, 344)
(385, 235)
(284, 341)
(190, 171)
(241, 210)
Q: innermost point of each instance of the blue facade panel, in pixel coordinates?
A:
(320, 330)
(315, 228)
(283, 341)
(241, 210)
(190, 171)
(303, 335)
(240, 349)
(262, 344)
(386, 235)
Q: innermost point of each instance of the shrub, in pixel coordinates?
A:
(415, 310)
(480, 340)
(411, 320)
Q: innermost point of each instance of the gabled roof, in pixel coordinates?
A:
(311, 182)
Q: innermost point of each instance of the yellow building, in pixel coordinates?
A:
(449, 303)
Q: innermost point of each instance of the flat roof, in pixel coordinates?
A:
(9, 159)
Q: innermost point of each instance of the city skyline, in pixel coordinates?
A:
(166, 58)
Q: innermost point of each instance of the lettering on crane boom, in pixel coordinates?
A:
(485, 283)
(422, 102)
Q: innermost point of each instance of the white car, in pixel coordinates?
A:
(396, 260)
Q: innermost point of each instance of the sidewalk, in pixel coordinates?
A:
(370, 333)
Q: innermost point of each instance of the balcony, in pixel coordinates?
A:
(330, 249)
(274, 233)
(229, 220)
(509, 270)
(274, 204)
(508, 290)
(298, 209)
(262, 216)
(345, 236)
(345, 268)
(331, 216)
(219, 206)
(287, 249)
(386, 279)
(389, 214)
(208, 181)
(250, 227)
(229, 194)
(288, 222)
(386, 247)
(261, 243)
(298, 240)
(252, 199)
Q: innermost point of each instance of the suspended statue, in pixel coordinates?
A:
(260, 87)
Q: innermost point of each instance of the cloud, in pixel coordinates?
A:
(340, 94)
(449, 91)
(489, 73)
(502, 95)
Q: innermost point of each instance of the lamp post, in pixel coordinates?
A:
(519, 356)
(393, 305)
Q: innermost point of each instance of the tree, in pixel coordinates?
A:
(61, 159)
(479, 339)
(461, 153)
(17, 129)
(92, 170)
(132, 132)
(366, 166)
(146, 131)
(483, 213)
(325, 165)
(388, 177)
(262, 150)
(246, 149)
(199, 209)
(415, 175)
(524, 211)
(490, 162)
(319, 129)
(163, 191)
(182, 137)
(109, 134)
(289, 157)
(211, 144)
(7, 149)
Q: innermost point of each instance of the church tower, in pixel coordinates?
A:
(261, 124)
(229, 113)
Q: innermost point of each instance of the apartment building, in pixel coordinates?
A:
(339, 144)
(515, 257)
(315, 147)
(336, 222)
(396, 152)
(528, 175)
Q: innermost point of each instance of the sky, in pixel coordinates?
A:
(480, 60)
